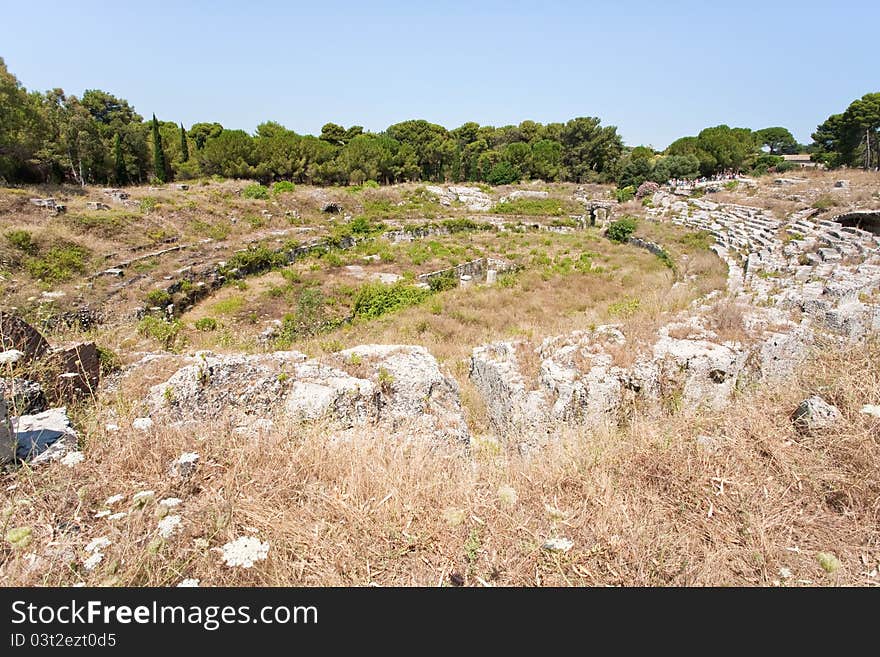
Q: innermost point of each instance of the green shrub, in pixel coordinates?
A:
(465, 225)
(59, 264)
(254, 260)
(148, 204)
(283, 187)
(824, 202)
(216, 231)
(165, 332)
(666, 259)
(363, 226)
(625, 194)
(308, 318)
(502, 173)
(206, 324)
(255, 191)
(621, 230)
(445, 281)
(108, 361)
(159, 298)
(255, 221)
(370, 184)
(625, 308)
(376, 299)
(21, 240)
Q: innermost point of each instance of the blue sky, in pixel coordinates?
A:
(657, 70)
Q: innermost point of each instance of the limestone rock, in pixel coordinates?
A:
(524, 193)
(814, 414)
(7, 437)
(399, 387)
(512, 405)
(23, 396)
(73, 370)
(52, 427)
(705, 372)
(15, 333)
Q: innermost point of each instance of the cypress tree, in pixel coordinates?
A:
(119, 166)
(158, 154)
(184, 147)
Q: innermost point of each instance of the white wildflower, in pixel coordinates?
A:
(79, 585)
(188, 457)
(93, 561)
(112, 428)
(143, 495)
(168, 526)
(244, 551)
(102, 513)
(785, 573)
(871, 409)
(558, 544)
(507, 495)
(113, 499)
(170, 502)
(98, 543)
(117, 516)
(10, 356)
(72, 458)
(189, 582)
(142, 424)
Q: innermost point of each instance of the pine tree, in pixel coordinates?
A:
(119, 166)
(184, 147)
(158, 154)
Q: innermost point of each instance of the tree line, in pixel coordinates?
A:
(100, 139)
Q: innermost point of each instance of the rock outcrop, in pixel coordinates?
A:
(473, 198)
(397, 386)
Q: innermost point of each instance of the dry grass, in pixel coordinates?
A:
(644, 505)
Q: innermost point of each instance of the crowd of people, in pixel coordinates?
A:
(729, 174)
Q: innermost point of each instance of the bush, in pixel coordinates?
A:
(157, 328)
(108, 361)
(625, 194)
(159, 298)
(465, 225)
(255, 191)
(283, 187)
(206, 324)
(621, 230)
(786, 166)
(58, 264)
(445, 281)
(253, 260)
(148, 204)
(376, 299)
(824, 202)
(502, 173)
(370, 184)
(21, 240)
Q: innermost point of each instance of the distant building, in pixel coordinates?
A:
(801, 159)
